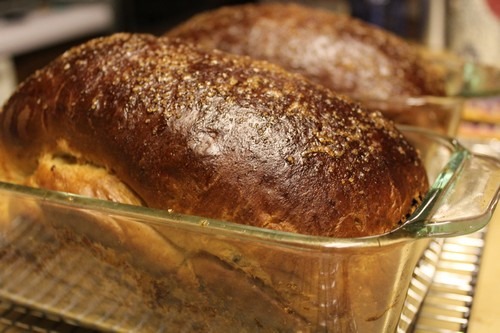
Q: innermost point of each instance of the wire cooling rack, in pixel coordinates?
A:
(439, 299)
(444, 305)
(448, 303)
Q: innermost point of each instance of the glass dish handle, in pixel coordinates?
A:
(464, 204)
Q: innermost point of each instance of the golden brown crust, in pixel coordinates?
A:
(216, 135)
(335, 50)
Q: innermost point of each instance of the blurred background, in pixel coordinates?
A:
(33, 32)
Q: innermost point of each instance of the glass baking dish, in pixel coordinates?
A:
(124, 268)
(439, 114)
(465, 81)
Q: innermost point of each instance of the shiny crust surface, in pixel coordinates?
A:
(338, 51)
(216, 135)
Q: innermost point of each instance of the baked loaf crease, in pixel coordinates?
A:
(338, 51)
(161, 123)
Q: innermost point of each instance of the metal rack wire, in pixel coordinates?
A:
(17, 319)
(31, 290)
(448, 303)
(439, 299)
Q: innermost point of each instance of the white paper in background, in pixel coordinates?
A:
(474, 30)
(7, 79)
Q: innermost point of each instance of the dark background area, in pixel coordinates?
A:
(150, 16)
(156, 16)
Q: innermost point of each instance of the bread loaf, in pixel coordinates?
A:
(338, 51)
(157, 122)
